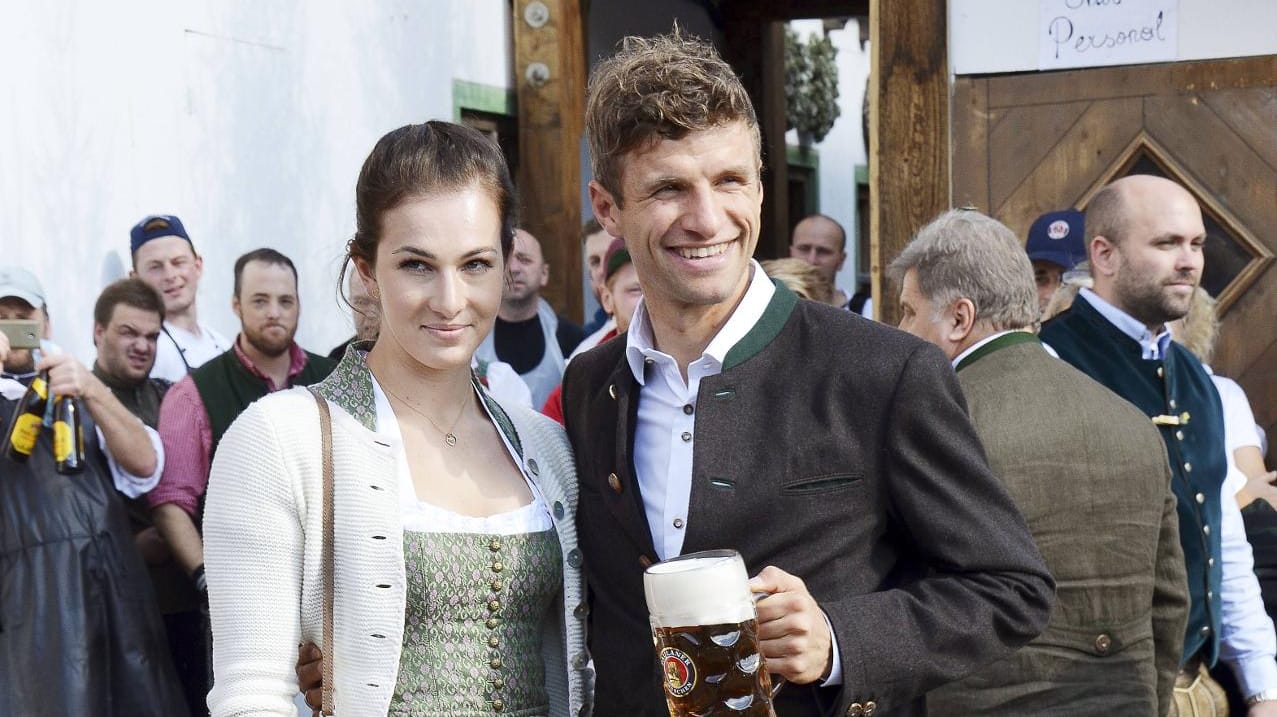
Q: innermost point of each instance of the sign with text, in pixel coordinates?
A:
(1091, 33)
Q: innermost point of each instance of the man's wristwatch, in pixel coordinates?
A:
(1269, 695)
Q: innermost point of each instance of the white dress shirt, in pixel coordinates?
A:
(665, 433)
(1247, 639)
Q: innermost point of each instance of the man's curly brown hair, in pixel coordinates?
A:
(656, 88)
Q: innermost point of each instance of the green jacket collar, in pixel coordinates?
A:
(766, 330)
(1001, 342)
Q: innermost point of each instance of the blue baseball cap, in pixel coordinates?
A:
(156, 226)
(1058, 237)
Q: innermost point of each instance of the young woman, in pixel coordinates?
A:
(457, 588)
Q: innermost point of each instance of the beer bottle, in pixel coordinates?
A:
(28, 415)
(68, 436)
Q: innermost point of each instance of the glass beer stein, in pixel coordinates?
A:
(705, 629)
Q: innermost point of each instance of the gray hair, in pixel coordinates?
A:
(963, 254)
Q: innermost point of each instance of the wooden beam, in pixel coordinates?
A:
(908, 131)
(551, 124)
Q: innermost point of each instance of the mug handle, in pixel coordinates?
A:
(777, 680)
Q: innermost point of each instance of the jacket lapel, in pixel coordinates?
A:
(622, 496)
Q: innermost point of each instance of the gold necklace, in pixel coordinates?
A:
(449, 437)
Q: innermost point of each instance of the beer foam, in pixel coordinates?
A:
(708, 588)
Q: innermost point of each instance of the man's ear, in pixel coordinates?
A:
(1103, 254)
(235, 307)
(604, 206)
(98, 331)
(961, 320)
(605, 300)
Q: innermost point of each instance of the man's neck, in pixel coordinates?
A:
(275, 367)
(684, 332)
(976, 336)
(187, 320)
(115, 382)
(512, 311)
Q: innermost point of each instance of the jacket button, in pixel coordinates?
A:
(497, 705)
(494, 545)
(580, 661)
(492, 623)
(532, 467)
(1103, 643)
(611, 391)
(1188, 467)
(1160, 372)
(1206, 529)
(1200, 498)
(574, 558)
(580, 611)
(645, 561)
(558, 510)
(497, 567)
(870, 708)
(494, 605)
(495, 663)
(1172, 403)
(1205, 631)
(614, 482)
(856, 710)
(496, 586)
(1179, 435)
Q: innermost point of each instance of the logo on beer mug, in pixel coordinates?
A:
(680, 671)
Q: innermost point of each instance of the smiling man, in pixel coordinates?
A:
(164, 257)
(833, 453)
(1144, 241)
(198, 409)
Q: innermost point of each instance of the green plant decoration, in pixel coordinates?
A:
(811, 86)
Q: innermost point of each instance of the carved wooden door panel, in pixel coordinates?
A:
(1029, 143)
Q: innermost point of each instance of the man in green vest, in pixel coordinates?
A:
(1085, 467)
(197, 410)
(1144, 240)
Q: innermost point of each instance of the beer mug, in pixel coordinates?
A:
(705, 629)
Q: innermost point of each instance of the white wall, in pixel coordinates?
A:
(249, 120)
(844, 147)
(1002, 35)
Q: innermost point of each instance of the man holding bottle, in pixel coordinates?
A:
(72, 576)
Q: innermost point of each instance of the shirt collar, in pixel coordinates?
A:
(976, 346)
(296, 362)
(640, 344)
(1151, 347)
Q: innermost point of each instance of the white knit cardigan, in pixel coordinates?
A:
(262, 535)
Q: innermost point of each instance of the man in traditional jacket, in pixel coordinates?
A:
(1144, 242)
(1086, 468)
(79, 630)
(198, 409)
(833, 453)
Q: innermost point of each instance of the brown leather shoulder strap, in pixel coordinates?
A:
(326, 550)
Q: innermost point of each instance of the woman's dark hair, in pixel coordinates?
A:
(420, 160)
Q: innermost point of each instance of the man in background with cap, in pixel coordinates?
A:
(79, 628)
(1056, 244)
(165, 258)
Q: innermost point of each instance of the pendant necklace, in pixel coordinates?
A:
(449, 437)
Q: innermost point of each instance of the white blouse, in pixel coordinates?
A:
(421, 516)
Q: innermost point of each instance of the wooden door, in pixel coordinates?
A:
(1029, 143)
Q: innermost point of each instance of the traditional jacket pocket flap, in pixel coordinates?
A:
(829, 483)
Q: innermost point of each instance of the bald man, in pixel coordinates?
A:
(1144, 242)
(821, 242)
(528, 334)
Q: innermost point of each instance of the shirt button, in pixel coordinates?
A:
(687, 437)
(688, 409)
(678, 523)
(1200, 498)
(649, 361)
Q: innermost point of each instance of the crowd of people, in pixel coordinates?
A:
(451, 513)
